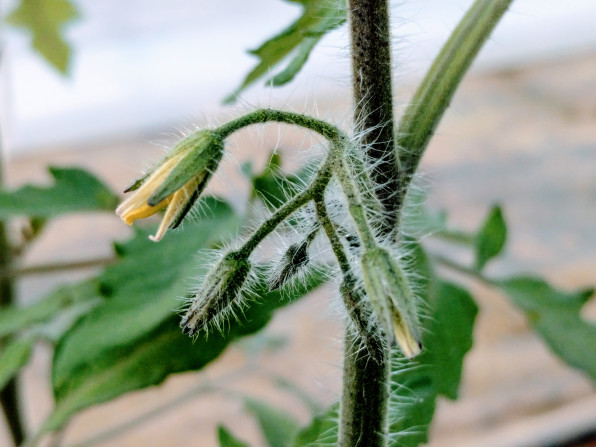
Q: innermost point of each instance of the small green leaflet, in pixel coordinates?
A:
(322, 430)
(297, 41)
(74, 190)
(227, 439)
(491, 237)
(278, 426)
(13, 356)
(556, 317)
(45, 20)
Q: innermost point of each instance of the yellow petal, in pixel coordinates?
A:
(178, 200)
(409, 346)
(142, 211)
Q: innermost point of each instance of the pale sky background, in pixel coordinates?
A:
(145, 65)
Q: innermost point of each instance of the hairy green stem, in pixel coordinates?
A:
(329, 131)
(355, 206)
(363, 412)
(301, 199)
(358, 308)
(440, 83)
(373, 97)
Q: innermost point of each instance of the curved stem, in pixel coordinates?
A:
(355, 302)
(301, 199)
(329, 131)
(440, 83)
(335, 137)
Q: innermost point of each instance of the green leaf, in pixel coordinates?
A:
(556, 317)
(491, 237)
(227, 439)
(278, 426)
(449, 337)
(13, 356)
(74, 190)
(322, 430)
(45, 20)
(14, 319)
(133, 340)
(416, 383)
(145, 361)
(295, 42)
(143, 290)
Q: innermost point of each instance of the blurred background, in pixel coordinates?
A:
(521, 132)
(144, 65)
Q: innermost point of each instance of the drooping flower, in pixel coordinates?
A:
(175, 183)
(392, 299)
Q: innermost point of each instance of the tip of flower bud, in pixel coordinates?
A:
(391, 296)
(157, 237)
(295, 258)
(219, 291)
(410, 347)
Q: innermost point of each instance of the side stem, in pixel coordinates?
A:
(9, 394)
(440, 83)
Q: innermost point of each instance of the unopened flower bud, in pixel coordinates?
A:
(175, 183)
(219, 290)
(392, 299)
(292, 261)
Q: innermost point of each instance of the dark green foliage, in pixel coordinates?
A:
(13, 356)
(74, 190)
(322, 430)
(14, 319)
(278, 426)
(556, 317)
(297, 41)
(272, 185)
(417, 383)
(227, 439)
(133, 340)
(491, 237)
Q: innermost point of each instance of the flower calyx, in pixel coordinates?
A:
(392, 299)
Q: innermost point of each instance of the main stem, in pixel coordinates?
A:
(363, 418)
(373, 99)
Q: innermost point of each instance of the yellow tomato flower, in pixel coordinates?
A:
(175, 183)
